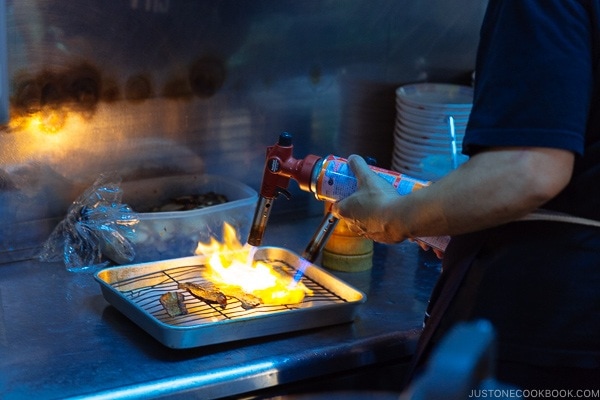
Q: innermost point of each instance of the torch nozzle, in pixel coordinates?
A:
(259, 222)
(320, 237)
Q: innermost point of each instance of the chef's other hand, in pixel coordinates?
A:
(365, 210)
(438, 253)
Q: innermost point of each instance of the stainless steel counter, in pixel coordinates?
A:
(59, 338)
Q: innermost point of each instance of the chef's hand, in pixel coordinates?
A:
(364, 211)
(438, 253)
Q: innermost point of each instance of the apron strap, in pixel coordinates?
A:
(548, 215)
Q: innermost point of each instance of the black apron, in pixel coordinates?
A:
(538, 283)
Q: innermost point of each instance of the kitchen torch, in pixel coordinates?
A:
(329, 178)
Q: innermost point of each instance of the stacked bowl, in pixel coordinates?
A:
(429, 128)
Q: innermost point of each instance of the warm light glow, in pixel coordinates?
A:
(51, 121)
(231, 263)
(51, 134)
(48, 120)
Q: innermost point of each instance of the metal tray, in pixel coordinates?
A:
(135, 289)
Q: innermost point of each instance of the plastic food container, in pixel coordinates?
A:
(171, 234)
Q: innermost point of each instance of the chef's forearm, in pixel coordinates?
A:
(493, 188)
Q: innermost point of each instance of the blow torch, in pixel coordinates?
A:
(329, 178)
(280, 167)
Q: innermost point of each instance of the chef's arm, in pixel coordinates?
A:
(495, 186)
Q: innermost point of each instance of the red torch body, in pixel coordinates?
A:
(280, 167)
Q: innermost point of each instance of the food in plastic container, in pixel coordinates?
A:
(171, 234)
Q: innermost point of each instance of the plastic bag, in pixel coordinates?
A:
(95, 231)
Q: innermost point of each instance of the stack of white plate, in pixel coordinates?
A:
(429, 128)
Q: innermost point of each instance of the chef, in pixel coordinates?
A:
(533, 141)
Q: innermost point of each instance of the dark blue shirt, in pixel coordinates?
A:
(537, 84)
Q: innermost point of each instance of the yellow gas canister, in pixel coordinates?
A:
(345, 250)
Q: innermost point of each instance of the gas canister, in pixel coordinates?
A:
(332, 179)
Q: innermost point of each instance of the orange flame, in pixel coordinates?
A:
(232, 264)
